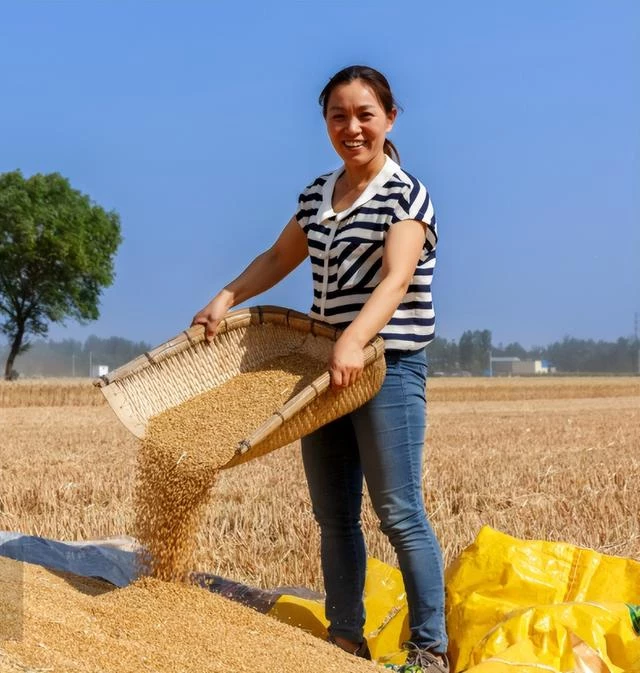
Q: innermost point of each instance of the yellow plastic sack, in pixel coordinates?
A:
(515, 605)
(386, 626)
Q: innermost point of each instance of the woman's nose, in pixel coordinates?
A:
(353, 125)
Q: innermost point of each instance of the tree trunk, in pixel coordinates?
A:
(13, 352)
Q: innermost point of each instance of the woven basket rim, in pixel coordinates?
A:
(237, 319)
(240, 318)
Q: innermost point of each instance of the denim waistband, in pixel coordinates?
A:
(396, 355)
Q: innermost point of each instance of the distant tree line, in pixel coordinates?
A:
(74, 358)
(470, 353)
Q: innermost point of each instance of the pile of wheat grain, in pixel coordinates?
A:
(184, 447)
(51, 621)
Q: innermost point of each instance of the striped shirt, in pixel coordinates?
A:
(346, 252)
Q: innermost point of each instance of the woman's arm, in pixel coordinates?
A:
(402, 250)
(267, 269)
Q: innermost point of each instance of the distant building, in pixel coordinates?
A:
(503, 366)
(529, 367)
(99, 370)
(514, 366)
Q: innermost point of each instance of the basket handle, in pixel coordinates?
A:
(317, 387)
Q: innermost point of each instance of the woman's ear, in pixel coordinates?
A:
(391, 118)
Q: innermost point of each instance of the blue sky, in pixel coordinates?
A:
(198, 122)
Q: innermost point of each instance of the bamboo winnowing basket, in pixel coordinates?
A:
(188, 365)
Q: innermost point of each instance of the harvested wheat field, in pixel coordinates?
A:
(73, 624)
(555, 459)
(561, 464)
(68, 392)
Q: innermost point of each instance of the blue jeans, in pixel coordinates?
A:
(381, 441)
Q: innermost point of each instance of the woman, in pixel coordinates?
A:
(370, 231)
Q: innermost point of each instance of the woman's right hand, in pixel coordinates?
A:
(211, 315)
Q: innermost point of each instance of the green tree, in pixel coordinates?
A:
(513, 349)
(56, 255)
(443, 355)
(475, 348)
(466, 350)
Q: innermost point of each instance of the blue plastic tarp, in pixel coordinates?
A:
(91, 559)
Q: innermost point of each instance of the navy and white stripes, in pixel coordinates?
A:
(346, 251)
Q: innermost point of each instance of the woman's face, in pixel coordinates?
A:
(357, 123)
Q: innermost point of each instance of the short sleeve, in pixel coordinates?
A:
(302, 212)
(308, 203)
(414, 203)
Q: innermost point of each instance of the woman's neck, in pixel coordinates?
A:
(358, 177)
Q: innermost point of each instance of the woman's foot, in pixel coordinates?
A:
(357, 649)
(421, 661)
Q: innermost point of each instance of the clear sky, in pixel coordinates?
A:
(198, 122)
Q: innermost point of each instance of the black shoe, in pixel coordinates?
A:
(361, 651)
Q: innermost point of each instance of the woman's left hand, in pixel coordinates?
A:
(346, 363)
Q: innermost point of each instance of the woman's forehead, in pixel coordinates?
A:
(356, 93)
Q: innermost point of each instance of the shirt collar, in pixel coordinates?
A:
(326, 209)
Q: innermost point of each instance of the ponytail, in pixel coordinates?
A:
(390, 150)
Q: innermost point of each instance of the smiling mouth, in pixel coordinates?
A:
(353, 144)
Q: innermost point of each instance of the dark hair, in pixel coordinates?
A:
(378, 84)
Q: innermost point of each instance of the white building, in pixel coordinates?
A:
(99, 370)
(513, 366)
(524, 367)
